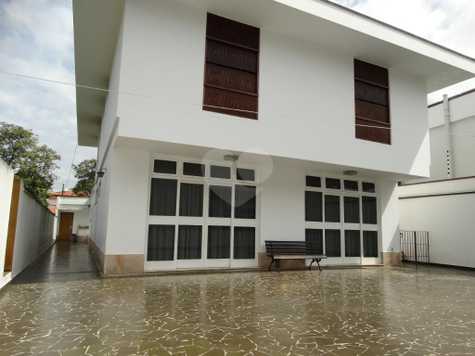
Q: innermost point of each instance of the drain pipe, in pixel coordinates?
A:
(448, 138)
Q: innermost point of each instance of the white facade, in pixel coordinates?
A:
(306, 96)
(305, 126)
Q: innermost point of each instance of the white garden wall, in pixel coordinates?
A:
(34, 232)
(445, 210)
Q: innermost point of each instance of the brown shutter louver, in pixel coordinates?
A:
(372, 103)
(232, 67)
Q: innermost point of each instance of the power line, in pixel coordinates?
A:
(88, 87)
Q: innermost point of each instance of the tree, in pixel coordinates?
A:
(33, 162)
(85, 172)
(15, 142)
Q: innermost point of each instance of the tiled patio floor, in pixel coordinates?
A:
(337, 312)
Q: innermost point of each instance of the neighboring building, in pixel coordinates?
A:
(452, 136)
(234, 122)
(444, 204)
(71, 213)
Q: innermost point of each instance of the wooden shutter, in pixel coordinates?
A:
(232, 67)
(372, 103)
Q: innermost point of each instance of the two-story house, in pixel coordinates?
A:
(222, 124)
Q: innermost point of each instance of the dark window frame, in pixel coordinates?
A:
(330, 199)
(231, 74)
(160, 255)
(155, 207)
(372, 114)
(194, 165)
(158, 162)
(181, 255)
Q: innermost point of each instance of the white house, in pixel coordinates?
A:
(223, 124)
(444, 204)
(71, 215)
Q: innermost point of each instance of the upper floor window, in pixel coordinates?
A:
(231, 68)
(372, 103)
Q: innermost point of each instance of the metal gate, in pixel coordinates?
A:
(415, 246)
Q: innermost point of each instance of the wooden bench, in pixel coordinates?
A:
(292, 250)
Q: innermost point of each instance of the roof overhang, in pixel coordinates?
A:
(96, 30)
(323, 23)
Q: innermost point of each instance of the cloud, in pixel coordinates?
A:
(449, 23)
(36, 39)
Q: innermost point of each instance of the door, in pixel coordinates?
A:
(65, 226)
(12, 224)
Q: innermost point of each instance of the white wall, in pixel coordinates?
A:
(81, 222)
(448, 218)
(34, 232)
(463, 148)
(462, 123)
(129, 184)
(6, 185)
(100, 208)
(281, 201)
(306, 102)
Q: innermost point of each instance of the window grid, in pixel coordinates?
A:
(342, 226)
(205, 221)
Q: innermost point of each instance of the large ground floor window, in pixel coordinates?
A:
(201, 215)
(341, 219)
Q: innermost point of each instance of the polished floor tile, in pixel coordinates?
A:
(374, 311)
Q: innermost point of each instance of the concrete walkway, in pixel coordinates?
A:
(59, 307)
(65, 261)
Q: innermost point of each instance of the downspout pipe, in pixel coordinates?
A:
(449, 159)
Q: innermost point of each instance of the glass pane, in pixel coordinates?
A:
(352, 210)
(220, 172)
(313, 206)
(332, 243)
(333, 183)
(191, 199)
(350, 185)
(194, 169)
(315, 182)
(370, 214)
(244, 242)
(219, 241)
(245, 174)
(314, 241)
(245, 202)
(161, 242)
(161, 166)
(219, 201)
(370, 243)
(332, 208)
(189, 242)
(352, 243)
(369, 187)
(163, 197)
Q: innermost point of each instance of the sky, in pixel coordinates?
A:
(36, 39)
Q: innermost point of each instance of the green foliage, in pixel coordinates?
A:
(33, 162)
(85, 172)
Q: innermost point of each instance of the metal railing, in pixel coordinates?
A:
(415, 246)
